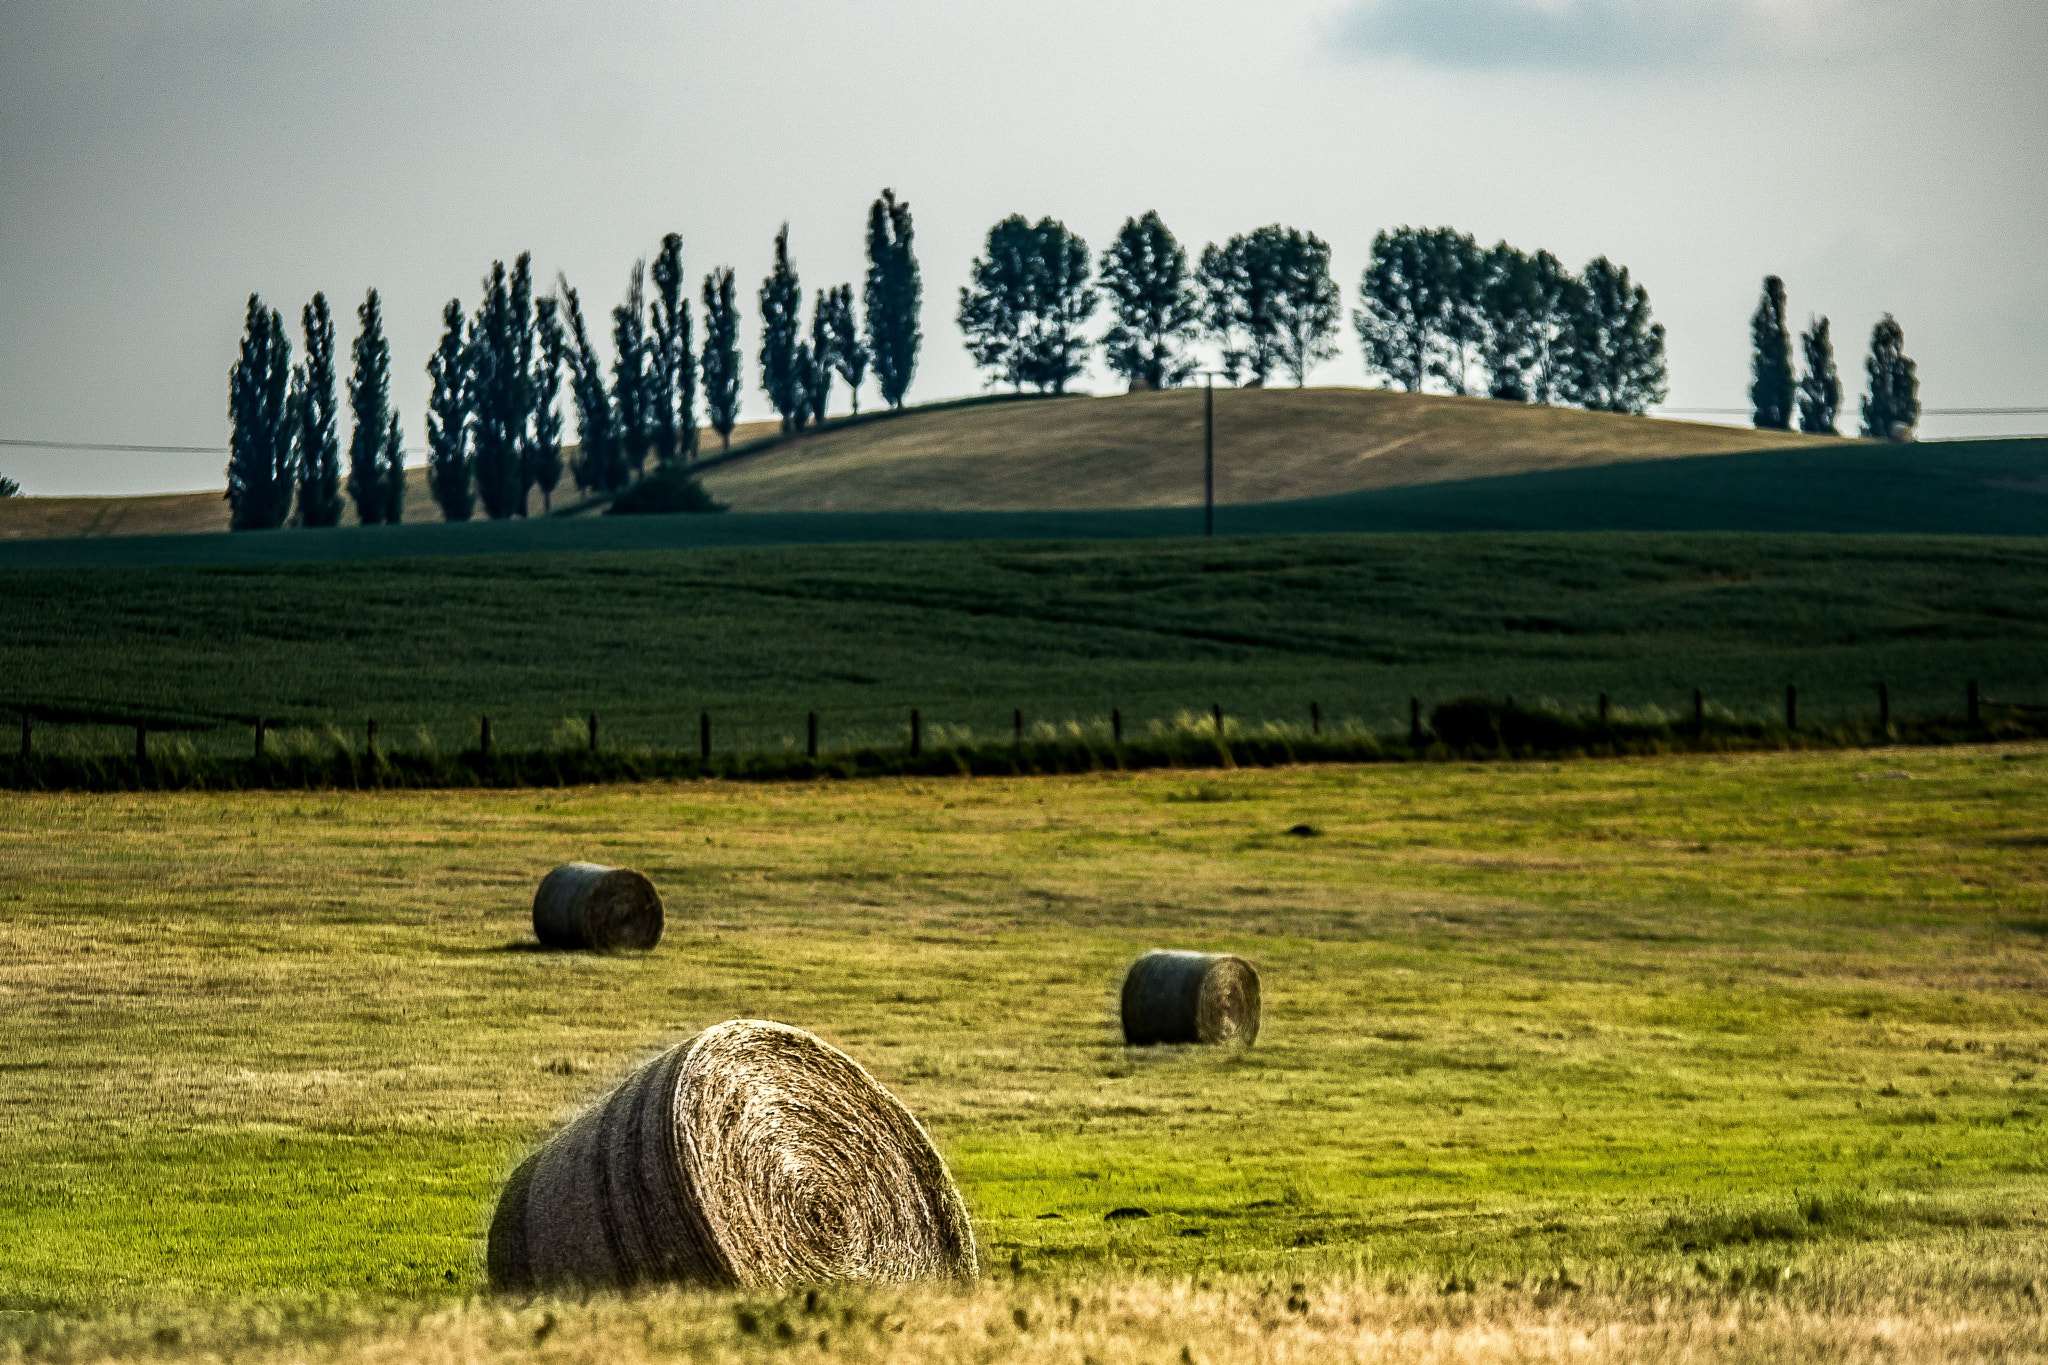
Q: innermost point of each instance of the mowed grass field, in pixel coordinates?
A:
(968, 633)
(1660, 1059)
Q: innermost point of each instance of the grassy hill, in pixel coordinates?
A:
(1145, 450)
(1137, 450)
(1943, 488)
(967, 631)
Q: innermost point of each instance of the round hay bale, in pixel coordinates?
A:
(583, 905)
(754, 1155)
(1180, 997)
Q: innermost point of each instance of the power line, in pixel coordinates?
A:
(1924, 412)
(90, 445)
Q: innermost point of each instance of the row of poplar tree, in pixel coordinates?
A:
(494, 423)
(1891, 400)
(1433, 304)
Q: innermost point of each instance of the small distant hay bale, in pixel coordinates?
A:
(752, 1156)
(583, 905)
(1181, 997)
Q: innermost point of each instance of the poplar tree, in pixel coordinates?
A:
(673, 372)
(819, 370)
(319, 453)
(598, 464)
(448, 463)
(632, 375)
(1145, 277)
(498, 378)
(1820, 389)
(721, 363)
(1891, 404)
(1771, 387)
(369, 401)
(544, 464)
(782, 302)
(260, 471)
(391, 480)
(849, 353)
(894, 296)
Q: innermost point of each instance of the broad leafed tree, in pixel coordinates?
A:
(1158, 312)
(1026, 302)
(849, 352)
(1618, 351)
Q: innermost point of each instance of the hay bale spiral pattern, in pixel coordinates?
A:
(583, 905)
(753, 1155)
(1183, 997)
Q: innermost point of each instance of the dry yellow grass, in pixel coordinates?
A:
(1867, 1312)
(1145, 450)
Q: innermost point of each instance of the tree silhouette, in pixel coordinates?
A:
(894, 296)
(1158, 311)
(721, 363)
(1891, 406)
(1618, 351)
(448, 463)
(1820, 389)
(599, 466)
(782, 303)
(849, 353)
(260, 444)
(1771, 388)
(673, 374)
(319, 454)
(369, 401)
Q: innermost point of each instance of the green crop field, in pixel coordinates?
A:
(969, 632)
(1672, 1059)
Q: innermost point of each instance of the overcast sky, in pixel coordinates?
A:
(161, 159)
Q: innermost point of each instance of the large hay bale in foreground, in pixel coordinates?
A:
(1181, 997)
(753, 1155)
(583, 905)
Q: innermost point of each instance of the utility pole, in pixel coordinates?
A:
(1208, 451)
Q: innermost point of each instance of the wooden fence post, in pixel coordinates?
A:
(484, 736)
(1791, 707)
(259, 736)
(24, 734)
(811, 743)
(1415, 721)
(593, 732)
(916, 733)
(704, 734)
(141, 744)
(1603, 708)
(1976, 715)
(370, 746)
(1315, 718)
(1019, 726)
(1699, 710)
(1217, 711)
(1884, 708)
(1116, 725)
